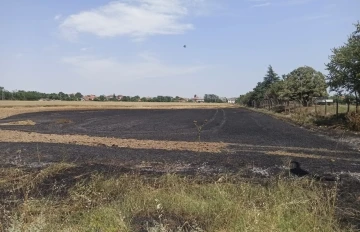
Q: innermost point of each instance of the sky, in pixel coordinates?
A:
(136, 47)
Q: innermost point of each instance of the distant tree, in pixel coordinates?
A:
(247, 99)
(53, 96)
(62, 96)
(135, 98)
(2, 93)
(78, 95)
(125, 98)
(113, 98)
(211, 98)
(102, 98)
(176, 99)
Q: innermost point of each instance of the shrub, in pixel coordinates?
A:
(353, 121)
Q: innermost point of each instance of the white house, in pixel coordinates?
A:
(231, 100)
(197, 99)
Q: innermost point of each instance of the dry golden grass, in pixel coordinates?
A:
(19, 137)
(10, 108)
(207, 147)
(309, 156)
(19, 123)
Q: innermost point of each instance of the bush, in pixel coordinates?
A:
(353, 121)
(279, 109)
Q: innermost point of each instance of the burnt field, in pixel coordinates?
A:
(233, 141)
(230, 139)
(223, 125)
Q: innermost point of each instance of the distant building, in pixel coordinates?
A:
(223, 99)
(197, 99)
(90, 97)
(119, 97)
(231, 100)
(322, 101)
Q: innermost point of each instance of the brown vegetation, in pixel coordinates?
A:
(18, 136)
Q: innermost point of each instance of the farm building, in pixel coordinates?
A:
(322, 101)
(89, 97)
(231, 100)
(197, 99)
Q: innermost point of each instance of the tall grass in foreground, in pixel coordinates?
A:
(173, 203)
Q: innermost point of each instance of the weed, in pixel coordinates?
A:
(199, 128)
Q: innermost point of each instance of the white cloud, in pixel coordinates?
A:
(296, 2)
(315, 17)
(262, 4)
(135, 18)
(19, 55)
(85, 49)
(57, 17)
(146, 66)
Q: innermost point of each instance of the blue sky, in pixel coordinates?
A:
(135, 47)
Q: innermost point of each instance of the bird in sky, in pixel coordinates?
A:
(184, 46)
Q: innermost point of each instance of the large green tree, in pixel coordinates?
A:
(270, 77)
(303, 84)
(344, 65)
(274, 91)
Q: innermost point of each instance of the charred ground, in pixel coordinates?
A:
(254, 145)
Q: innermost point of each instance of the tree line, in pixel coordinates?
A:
(22, 95)
(302, 84)
(305, 83)
(35, 96)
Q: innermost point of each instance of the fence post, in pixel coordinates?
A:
(325, 107)
(337, 107)
(294, 103)
(348, 107)
(356, 106)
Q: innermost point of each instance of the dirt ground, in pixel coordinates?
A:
(158, 141)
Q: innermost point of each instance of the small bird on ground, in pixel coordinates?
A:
(296, 170)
